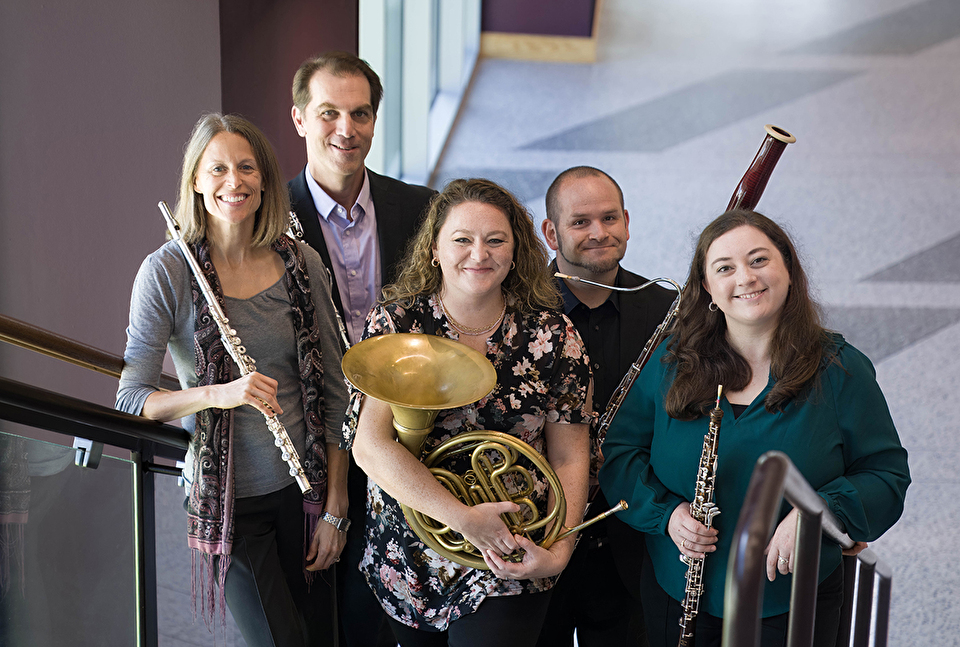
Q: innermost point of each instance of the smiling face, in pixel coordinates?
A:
(747, 278)
(475, 249)
(229, 180)
(591, 228)
(337, 125)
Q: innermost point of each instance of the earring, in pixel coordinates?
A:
(513, 265)
(435, 262)
(712, 307)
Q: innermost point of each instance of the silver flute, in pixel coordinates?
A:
(233, 345)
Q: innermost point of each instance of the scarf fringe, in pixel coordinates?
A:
(211, 575)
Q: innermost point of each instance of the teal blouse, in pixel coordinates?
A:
(840, 436)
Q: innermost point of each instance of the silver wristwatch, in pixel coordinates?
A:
(340, 524)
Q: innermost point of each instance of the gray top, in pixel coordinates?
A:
(162, 317)
(264, 323)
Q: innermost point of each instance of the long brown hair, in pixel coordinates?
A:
(701, 352)
(529, 282)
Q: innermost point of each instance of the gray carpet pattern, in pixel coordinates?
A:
(674, 109)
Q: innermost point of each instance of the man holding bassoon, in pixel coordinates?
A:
(588, 228)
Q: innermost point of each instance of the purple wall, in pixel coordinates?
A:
(97, 101)
(258, 64)
(555, 18)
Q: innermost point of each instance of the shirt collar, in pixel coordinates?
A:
(325, 204)
(570, 300)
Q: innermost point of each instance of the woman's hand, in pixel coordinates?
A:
(325, 547)
(255, 389)
(856, 550)
(692, 537)
(537, 562)
(780, 549)
(483, 527)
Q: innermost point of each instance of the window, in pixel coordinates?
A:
(424, 52)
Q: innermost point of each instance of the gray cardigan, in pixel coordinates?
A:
(162, 317)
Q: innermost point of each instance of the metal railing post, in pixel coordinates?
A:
(803, 593)
(745, 570)
(863, 600)
(881, 604)
(866, 588)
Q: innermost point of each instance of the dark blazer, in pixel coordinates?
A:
(640, 314)
(642, 311)
(398, 206)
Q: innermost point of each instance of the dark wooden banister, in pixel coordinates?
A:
(42, 341)
(776, 478)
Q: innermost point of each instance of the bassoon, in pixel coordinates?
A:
(745, 196)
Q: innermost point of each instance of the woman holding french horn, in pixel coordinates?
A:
(747, 322)
(477, 273)
(256, 525)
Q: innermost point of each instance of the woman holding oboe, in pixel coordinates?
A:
(747, 322)
(252, 530)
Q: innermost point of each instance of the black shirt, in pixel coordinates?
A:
(600, 330)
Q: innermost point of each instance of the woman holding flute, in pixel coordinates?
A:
(251, 529)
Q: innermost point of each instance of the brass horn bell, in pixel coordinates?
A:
(418, 375)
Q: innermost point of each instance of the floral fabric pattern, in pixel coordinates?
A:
(542, 376)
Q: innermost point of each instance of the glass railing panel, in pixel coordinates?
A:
(175, 621)
(67, 552)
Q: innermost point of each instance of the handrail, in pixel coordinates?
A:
(775, 478)
(24, 335)
(146, 439)
(52, 411)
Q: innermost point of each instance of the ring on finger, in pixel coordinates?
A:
(783, 560)
(683, 543)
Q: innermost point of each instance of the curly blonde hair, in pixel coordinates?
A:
(529, 282)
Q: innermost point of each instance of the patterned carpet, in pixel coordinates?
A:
(674, 109)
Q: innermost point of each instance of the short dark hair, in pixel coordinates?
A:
(574, 173)
(338, 64)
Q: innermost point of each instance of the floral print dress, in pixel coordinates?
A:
(542, 376)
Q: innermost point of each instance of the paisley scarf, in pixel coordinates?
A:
(210, 505)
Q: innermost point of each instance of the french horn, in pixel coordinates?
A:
(419, 375)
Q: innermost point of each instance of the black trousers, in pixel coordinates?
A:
(265, 586)
(504, 621)
(591, 598)
(663, 616)
(363, 622)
